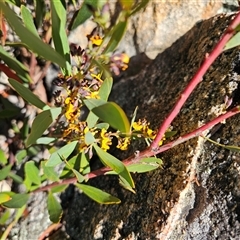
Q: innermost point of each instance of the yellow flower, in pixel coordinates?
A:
(123, 143)
(137, 126)
(96, 40)
(105, 140)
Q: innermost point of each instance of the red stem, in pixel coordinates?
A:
(154, 148)
(195, 81)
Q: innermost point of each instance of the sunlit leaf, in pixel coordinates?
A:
(127, 4)
(59, 19)
(28, 20)
(49, 172)
(139, 6)
(54, 208)
(142, 167)
(15, 65)
(117, 34)
(89, 138)
(3, 158)
(5, 171)
(27, 94)
(84, 13)
(105, 89)
(78, 175)
(34, 43)
(62, 153)
(17, 201)
(4, 218)
(4, 197)
(41, 123)
(116, 165)
(59, 188)
(32, 172)
(233, 42)
(111, 113)
(45, 140)
(98, 195)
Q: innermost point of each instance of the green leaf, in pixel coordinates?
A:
(41, 123)
(15, 65)
(45, 140)
(84, 13)
(40, 11)
(79, 176)
(62, 153)
(5, 171)
(32, 172)
(5, 216)
(98, 195)
(117, 34)
(3, 159)
(28, 20)
(59, 188)
(105, 89)
(27, 94)
(60, 39)
(49, 172)
(92, 103)
(4, 197)
(142, 167)
(54, 208)
(116, 165)
(91, 119)
(16, 178)
(125, 184)
(89, 138)
(151, 160)
(21, 155)
(111, 113)
(84, 164)
(141, 5)
(17, 201)
(127, 4)
(9, 113)
(233, 42)
(34, 43)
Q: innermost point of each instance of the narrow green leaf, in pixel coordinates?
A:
(4, 197)
(45, 140)
(233, 42)
(91, 119)
(84, 13)
(5, 171)
(5, 216)
(105, 89)
(17, 201)
(142, 167)
(141, 5)
(49, 172)
(62, 153)
(40, 11)
(59, 19)
(21, 155)
(116, 165)
(59, 188)
(28, 20)
(15, 65)
(127, 4)
(41, 123)
(26, 94)
(32, 172)
(34, 43)
(3, 159)
(54, 208)
(111, 113)
(79, 176)
(125, 184)
(98, 195)
(84, 164)
(89, 138)
(92, 103)
(151, 160)
(117, 34)
(16, 178)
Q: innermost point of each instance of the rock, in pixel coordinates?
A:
(166, 205)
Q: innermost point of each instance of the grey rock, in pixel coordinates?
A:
(166, 205)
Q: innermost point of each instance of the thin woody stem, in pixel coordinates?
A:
(147, 152)
(208, 61)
